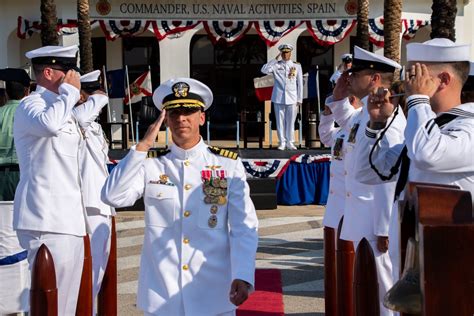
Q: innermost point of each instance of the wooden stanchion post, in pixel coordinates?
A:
(107, 300)
(85, 299)
(44, 292)
(330, 289)
(344, 268)
(366, 286)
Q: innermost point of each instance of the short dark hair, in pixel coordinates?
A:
(15, 90)
(461, 69)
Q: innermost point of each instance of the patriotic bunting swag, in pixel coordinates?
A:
(163, 28)
(325, 32)
(376, 31)
(329, 32)
(228, 31)
(266, 168)
(114, 29)
(272, 31)
(410, 27)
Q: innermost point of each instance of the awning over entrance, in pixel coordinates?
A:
(325, 32)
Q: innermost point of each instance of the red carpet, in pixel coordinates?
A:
(267, 300)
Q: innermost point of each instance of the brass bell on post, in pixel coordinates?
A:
(405, 295)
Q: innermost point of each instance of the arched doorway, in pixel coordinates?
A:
(229, 71)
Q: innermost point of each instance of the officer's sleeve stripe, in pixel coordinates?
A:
(417, 101)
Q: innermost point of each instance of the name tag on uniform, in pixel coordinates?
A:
(337, 148)
(353, 133)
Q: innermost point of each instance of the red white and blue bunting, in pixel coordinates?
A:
(163, 28)
(410, 27)
(330, 32)
(114, 29)
(376, 35)
(272, 31)
(228, 31)
(264, 168)
(325, 32)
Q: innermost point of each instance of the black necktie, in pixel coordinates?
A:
(405, 161)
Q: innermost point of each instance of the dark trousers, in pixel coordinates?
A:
(9, 178)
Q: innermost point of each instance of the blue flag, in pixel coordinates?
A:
(312, 82)
(116, 83)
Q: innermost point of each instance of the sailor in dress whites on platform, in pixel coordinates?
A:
(198, 256)
(287, 93)
(439, 151)
(48, 201)
(367, 208)
(14, 273)
(346, 63)
(94, 158)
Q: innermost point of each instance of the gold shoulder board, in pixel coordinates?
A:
(155, 153)
(223, 152)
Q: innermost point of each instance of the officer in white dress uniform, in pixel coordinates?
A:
(198, 256)
(367, 208)
(287, 93)
(94, 158)
(346, 63)
(48, 205)
(438, 152)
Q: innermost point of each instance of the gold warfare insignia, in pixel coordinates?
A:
(164, 179)
(213, 167)
(180, 89)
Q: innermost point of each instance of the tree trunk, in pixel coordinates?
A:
(363, 24)
(49, 22)
(443, 19)
(392, 15)
(84, 29)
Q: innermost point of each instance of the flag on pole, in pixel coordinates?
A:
(263, 87)
(116, 83)
(139, 88)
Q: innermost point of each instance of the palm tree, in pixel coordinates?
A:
(443, 19)
(49, 22)
(363, 24)
(392, 14)
(84, 29)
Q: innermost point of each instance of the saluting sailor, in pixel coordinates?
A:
(287, 93)
(367, 208)
(439, 147)
(48, 201)
(198, 256)
(94, 158)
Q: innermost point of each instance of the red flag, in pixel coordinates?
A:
(263, 87)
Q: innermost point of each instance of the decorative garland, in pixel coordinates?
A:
(330, 32)
(228, 31)
(325, 32)
(263, 168)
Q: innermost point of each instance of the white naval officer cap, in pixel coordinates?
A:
(364, 59)
(182, 93)
(91, 81)
(438, 50)
(63, 56)
(284, 48)
(346, 56)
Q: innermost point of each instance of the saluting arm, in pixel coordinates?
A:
(327, 130)
(87, 112)
(126, 182)
(430, 148)
(269, 67)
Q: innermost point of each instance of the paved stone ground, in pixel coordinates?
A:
(291, 239)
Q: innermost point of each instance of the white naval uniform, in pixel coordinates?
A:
(438, 155)
(48, 202)
(287, 92)
(329, 134)
(367, 208)
(186, 265)
(94, 158)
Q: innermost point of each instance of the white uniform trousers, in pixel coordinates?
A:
(14, 278)
(384, 275)
(285, 115)
(100, 226)
(68, 255)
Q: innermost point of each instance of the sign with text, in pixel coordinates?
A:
(223, 10)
